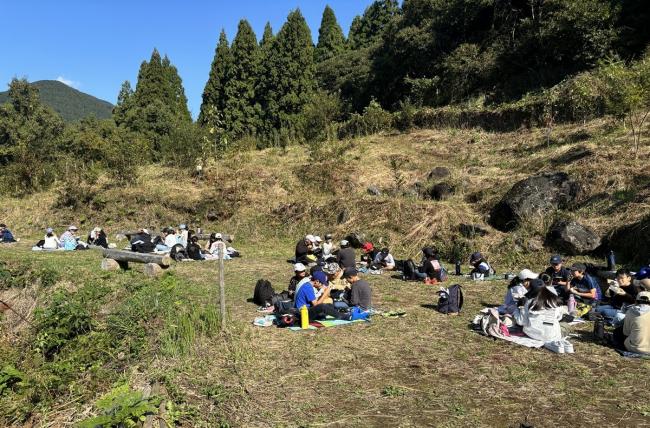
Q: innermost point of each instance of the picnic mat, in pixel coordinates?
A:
(326, 323)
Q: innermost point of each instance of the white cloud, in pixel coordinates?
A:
(70, 83)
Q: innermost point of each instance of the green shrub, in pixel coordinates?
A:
(11, 379)
(122, 407)
(373, 120)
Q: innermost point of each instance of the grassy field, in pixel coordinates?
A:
(426, 369)
(91, 333)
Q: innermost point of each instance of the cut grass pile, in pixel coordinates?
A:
(426, 369)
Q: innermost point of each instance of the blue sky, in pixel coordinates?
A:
(95, 45)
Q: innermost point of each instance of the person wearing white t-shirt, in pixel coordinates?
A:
(384, 260)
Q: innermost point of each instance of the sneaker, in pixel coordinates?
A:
(568, 346)
(555, 346)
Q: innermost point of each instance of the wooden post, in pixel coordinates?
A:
(222, 286)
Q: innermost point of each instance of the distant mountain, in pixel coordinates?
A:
(70, 103)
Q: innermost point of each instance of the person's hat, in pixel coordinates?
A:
(344, 243)
(299, 267)
(218, 236)
(556, 259)
(97, 229)
(332, 268)
(350, 272)
(643, 297)
(320, 277)
(578, 267)
(328, 236)
(527, 274)
(317, 239)
(309, 237)
(73, 228)
(475, 257)
(182, 226)
(643, 273)
(367, 247)
(49, 230)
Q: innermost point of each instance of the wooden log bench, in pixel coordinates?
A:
(201, 236)
(119, 259)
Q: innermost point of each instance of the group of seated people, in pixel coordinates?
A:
(537, 302)
(70, 240)
(6, 236)
(181, 244)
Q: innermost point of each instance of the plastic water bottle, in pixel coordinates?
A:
(571, 305)
(611, 261)
(304, 317)
(458, 272)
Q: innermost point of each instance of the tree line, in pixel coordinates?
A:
(285, 88)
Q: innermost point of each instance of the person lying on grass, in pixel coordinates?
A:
(360, 293)
(306, 296)
(621, 293)
(5, 234)
(540, 316)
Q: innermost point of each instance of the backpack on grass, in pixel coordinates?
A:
(451, 300)
(263, 294)
(178, 253)
(409, 271)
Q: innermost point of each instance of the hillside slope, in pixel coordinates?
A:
(70, 103)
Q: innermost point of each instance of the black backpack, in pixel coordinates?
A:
(178, 253)
(451, 302)
(263, 294)
(409, 271)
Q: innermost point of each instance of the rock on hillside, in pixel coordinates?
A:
(534, 196)
(572, 238)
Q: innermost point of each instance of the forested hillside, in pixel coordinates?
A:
(71, 104)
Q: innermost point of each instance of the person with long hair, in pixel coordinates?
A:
(540, 319)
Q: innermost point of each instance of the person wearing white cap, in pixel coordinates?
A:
(517, 289)
(300, 273)
(346, 258)
(540, 319)
(182, 235)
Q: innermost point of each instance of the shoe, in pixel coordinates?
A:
(568, 346)
(555, 346)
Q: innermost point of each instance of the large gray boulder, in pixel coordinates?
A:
(535, 196)
(572, 238)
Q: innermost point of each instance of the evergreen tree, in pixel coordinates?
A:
(367, 30)
(331, 40)
(267, 37)
(290, 83)
(242, 113)
(152, 82)
(124, 103)
(214, 96)
(175, 93)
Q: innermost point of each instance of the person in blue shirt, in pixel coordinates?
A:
(583, 286)
(5, 234)
(312, 293)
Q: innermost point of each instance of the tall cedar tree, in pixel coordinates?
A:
(331, 40)
(124, 103)
(242, 114)
(175, 91)
(367, 30)
(290, 83)
(214, 96)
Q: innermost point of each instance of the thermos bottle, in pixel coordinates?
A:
(611, 261)
(458, 272)
(304, 317)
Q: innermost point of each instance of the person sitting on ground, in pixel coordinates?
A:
(97, 237)
(317, 249)
(5, 234)
(50, 241)
(328, 248)
(621, 293)
(368, 254)
(339, 286)
(141, 242)
(346, 257)
(642, 279)
(479, 265)
(517, 290)
(303, 252)
(69, 239)
(560, 276)
(583, 286)
(193, 247)
(540, 316)
(431, 270)
(182, 236)
(306, 296)
(384, 260)
(360, 293)
(636, 327)
(162, 245)
(299, 274)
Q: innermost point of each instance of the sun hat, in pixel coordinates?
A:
(344, 243)
(218, 236)
(527, 274)
(643, 297)
(73, 227)
(320, 277)
(299, 267)
(49, 230)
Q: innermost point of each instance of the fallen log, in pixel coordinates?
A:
(130, 256)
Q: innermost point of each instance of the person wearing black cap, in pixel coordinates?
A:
(559, 276)
(360, 294)
(384, 260)
(583, 286)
